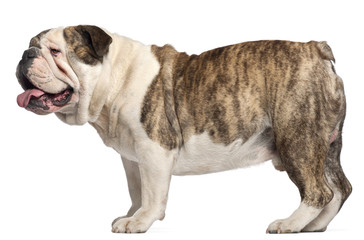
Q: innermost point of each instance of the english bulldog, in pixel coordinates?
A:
(169, 113)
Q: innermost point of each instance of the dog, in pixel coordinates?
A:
(169, 113)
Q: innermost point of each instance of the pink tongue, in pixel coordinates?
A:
(24, 98)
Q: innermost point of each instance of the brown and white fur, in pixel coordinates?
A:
(167, 113)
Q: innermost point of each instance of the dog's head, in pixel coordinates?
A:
(60, 70)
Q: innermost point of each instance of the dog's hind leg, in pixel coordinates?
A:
(337, 182)
(304, 160)
(303, 143)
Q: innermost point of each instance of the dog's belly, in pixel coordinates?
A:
(200, 155)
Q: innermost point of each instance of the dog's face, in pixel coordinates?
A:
(60, 69)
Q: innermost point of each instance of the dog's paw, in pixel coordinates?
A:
(129, 225)
(283, 226)
(117, 219)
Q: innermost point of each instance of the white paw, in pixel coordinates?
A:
(117, 219)
(296, 222)
(284, 226)
(130, 225)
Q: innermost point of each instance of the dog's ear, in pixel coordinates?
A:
(89, 43)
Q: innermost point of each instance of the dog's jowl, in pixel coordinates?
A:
(167, 113)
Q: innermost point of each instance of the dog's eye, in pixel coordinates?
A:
(54, 52)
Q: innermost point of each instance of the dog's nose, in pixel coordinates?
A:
(30, 53)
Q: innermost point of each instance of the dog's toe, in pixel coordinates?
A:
(282, 226)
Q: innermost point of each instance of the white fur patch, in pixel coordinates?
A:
(297, 221)
(125, 100)
(328, 213)
(200, 155)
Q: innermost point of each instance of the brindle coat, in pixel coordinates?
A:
(287, 88)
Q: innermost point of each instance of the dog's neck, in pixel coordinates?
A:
(125, 68)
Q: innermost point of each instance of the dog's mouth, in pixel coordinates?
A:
(36, 98)
(39, 101)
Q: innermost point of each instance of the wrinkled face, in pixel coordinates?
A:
(45, 75)
(52, 71)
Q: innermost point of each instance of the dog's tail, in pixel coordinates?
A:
(325, 51)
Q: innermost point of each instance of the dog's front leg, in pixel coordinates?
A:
(134, 185)
(155, 176)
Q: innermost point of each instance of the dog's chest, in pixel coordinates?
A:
(200, 155)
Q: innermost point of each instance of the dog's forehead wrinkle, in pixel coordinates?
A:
(55, 38)
(46, 36)
(35, 41)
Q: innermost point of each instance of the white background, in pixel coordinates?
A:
(61, 182)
